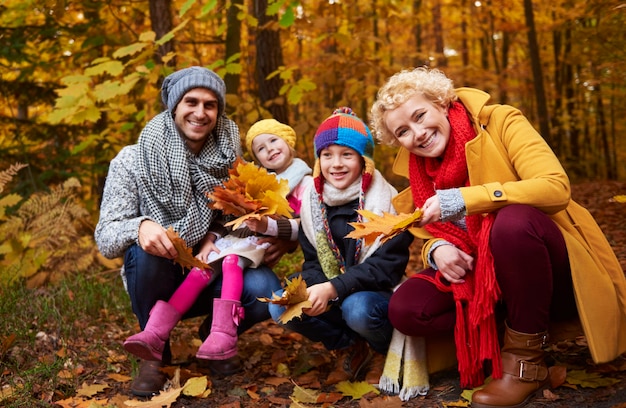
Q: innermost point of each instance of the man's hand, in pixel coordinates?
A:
(154, 240)
(278, 247)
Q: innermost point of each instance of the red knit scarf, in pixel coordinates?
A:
(475, 332)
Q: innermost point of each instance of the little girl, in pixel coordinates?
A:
(271, 144)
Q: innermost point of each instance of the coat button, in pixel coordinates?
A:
(497, 193)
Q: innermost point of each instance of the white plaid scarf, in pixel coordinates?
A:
(175, 180)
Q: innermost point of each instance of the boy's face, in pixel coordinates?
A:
(420, 126)
(196, 117)
(272, 152)
(341, 166)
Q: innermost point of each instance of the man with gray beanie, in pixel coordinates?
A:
(160, 182)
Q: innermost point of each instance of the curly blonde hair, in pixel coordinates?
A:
(402, 86)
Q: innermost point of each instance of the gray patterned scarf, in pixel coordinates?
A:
(175, 181)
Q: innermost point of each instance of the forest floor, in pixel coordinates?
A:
(277, 362)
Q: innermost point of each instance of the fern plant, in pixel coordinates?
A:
(47, 237)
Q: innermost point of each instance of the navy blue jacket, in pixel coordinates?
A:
(379, 272)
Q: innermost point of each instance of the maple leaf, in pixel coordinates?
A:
(589, 380)
(185, 256)
(619, 199)
(294, 298)
(355, 389)
(87, 390)
(385, 226)
(250, 191)
(196, 387)
(164, 399)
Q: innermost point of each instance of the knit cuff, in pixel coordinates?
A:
(434, 246)
(452, 204)
(284, 229)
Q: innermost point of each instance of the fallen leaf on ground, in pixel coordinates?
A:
(164, 399)
(355, 390)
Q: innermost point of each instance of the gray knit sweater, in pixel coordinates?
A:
(122, 206)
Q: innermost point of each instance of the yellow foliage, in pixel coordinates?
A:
(249, 192)
(294, 298)
(386, 226)
(47, 237)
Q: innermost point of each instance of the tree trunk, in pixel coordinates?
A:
(438, 34)
(161, 21)
(233, 44)
(269, 58)
(535, 62)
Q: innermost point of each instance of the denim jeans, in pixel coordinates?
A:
(361, 314)
(150, 278)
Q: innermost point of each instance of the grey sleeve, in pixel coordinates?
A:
(120, 214)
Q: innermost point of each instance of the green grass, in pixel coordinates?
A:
(55, 338)
(52, 339)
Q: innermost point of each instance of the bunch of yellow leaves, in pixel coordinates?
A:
(294, 298)
(387, 225)
(250, 192)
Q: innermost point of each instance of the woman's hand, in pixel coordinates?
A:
(431, 211)
(452, 262)
(153, 239)
(320, 295)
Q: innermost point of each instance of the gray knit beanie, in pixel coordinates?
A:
(178, 83)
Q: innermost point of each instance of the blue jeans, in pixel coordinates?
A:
(361, 314)
(150, 278)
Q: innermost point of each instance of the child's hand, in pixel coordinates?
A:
(206, 247)
(319, 296)
(278, 247)
(255, 225)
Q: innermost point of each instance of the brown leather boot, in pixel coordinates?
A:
(375, 368)
(350, 361)
(150, 379)
(524, 372)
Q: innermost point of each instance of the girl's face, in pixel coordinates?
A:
(272, 152)
(341, 166)
(420, 126)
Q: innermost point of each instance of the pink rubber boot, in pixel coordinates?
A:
(222, 342)
(149, 343)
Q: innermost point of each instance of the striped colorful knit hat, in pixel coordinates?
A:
(344, 128)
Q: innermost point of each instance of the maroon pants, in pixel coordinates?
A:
(532, 269)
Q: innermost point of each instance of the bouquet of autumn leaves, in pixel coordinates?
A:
(250, 192)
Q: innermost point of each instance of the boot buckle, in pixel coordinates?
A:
(529, 371)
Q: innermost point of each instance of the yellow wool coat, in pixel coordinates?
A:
(510, 163)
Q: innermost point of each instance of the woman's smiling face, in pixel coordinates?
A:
(420, 126)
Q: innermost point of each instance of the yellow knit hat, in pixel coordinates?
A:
(272, 127)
